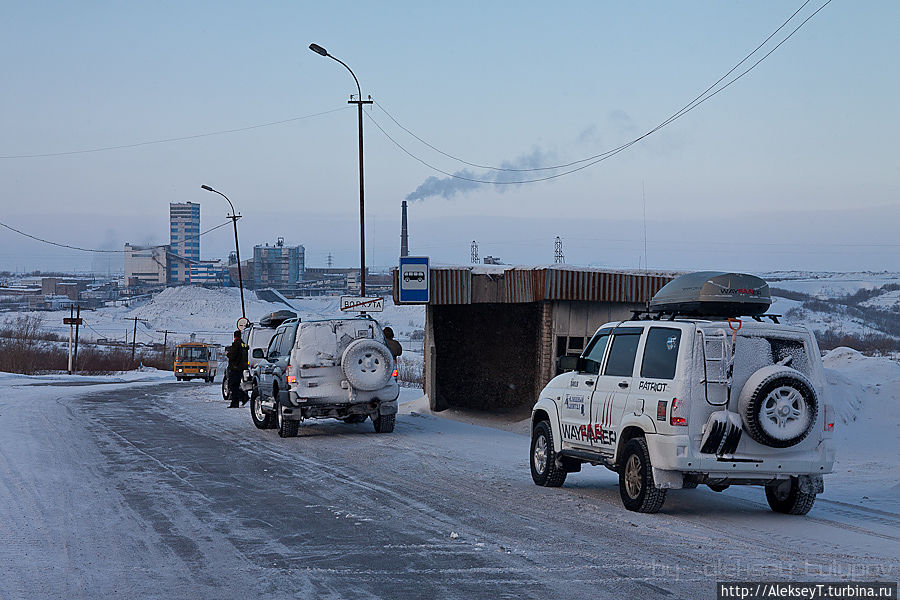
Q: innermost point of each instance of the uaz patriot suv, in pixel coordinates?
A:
(688, 394)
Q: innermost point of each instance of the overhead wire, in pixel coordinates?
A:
(70, 247)
(173, 139)
(593, 160)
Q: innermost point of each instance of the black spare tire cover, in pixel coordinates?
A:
(778, 406)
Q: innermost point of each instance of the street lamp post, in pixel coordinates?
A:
(362, 211)
(237, 249)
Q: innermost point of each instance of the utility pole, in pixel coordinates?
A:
(165, 333)
(77, 323)
(133, 335)
(71, 332)
(72, 321)
(474, 254)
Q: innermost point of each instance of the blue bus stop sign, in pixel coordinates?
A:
(414, 279)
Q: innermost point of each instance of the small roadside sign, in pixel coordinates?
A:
(361, 304)
(414, 280)
(243, 323)
(73, 321)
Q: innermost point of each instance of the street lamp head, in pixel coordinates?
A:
(318, 49)
(207, 188)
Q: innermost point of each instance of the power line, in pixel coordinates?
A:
(174, 139)
(70, 247)
(593, 160)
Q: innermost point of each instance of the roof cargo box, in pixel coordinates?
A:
(274, 319)
(713, 294)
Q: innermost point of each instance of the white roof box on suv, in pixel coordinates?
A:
(713, 294)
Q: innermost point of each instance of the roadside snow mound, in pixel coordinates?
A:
(865, 392)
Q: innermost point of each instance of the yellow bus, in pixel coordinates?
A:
(195, 360)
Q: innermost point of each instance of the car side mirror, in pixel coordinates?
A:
(567, 363)
(258, 353)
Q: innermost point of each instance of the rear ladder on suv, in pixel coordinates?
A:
(718, 367)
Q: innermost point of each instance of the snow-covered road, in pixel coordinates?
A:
(154, 489)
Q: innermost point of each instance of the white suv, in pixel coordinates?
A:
(673, 402)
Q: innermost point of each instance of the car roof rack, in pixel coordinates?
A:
(774, 318)
(659, 315)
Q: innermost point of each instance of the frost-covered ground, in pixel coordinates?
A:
(831, 315)
(829, 285)
(156, 490)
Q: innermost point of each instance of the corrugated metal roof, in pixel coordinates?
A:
(453, 285)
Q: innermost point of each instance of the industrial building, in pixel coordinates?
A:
(146, 265)
(184, 240)
(280, 267)
(493, 333)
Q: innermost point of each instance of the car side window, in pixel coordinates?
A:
(661, 353)
(594, 353)
(272, 350)
(287, 341)
(622, 354)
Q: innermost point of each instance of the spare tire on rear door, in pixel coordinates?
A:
(778, 406)
(367, 364)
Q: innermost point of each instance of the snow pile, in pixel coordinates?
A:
(212, 314)
(865, 392)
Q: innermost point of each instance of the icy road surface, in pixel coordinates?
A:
(154, 489)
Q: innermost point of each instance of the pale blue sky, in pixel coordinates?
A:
(794, 166)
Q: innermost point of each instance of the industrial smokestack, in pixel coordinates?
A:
(404, 233)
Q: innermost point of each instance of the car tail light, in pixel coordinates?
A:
(290, 378)
(394, 374)
(676, 421)
(829, 424)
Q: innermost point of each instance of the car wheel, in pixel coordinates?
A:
(286, 427)
(544, 469)
(353, 419)
(786, 497)
(225, 391)
(383, 423)
(261, 418)
(778, 407)
(636, 486)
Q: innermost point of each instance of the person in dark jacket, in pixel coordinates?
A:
(392, 344)
(237, 363)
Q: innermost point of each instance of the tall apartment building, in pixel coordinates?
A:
(184, 240)
(279, 266)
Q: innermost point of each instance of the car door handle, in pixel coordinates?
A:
(588, 383)
(623, 384)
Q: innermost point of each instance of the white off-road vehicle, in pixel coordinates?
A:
(688, 393)
(338, 368)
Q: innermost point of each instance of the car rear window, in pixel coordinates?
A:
(661, 353)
